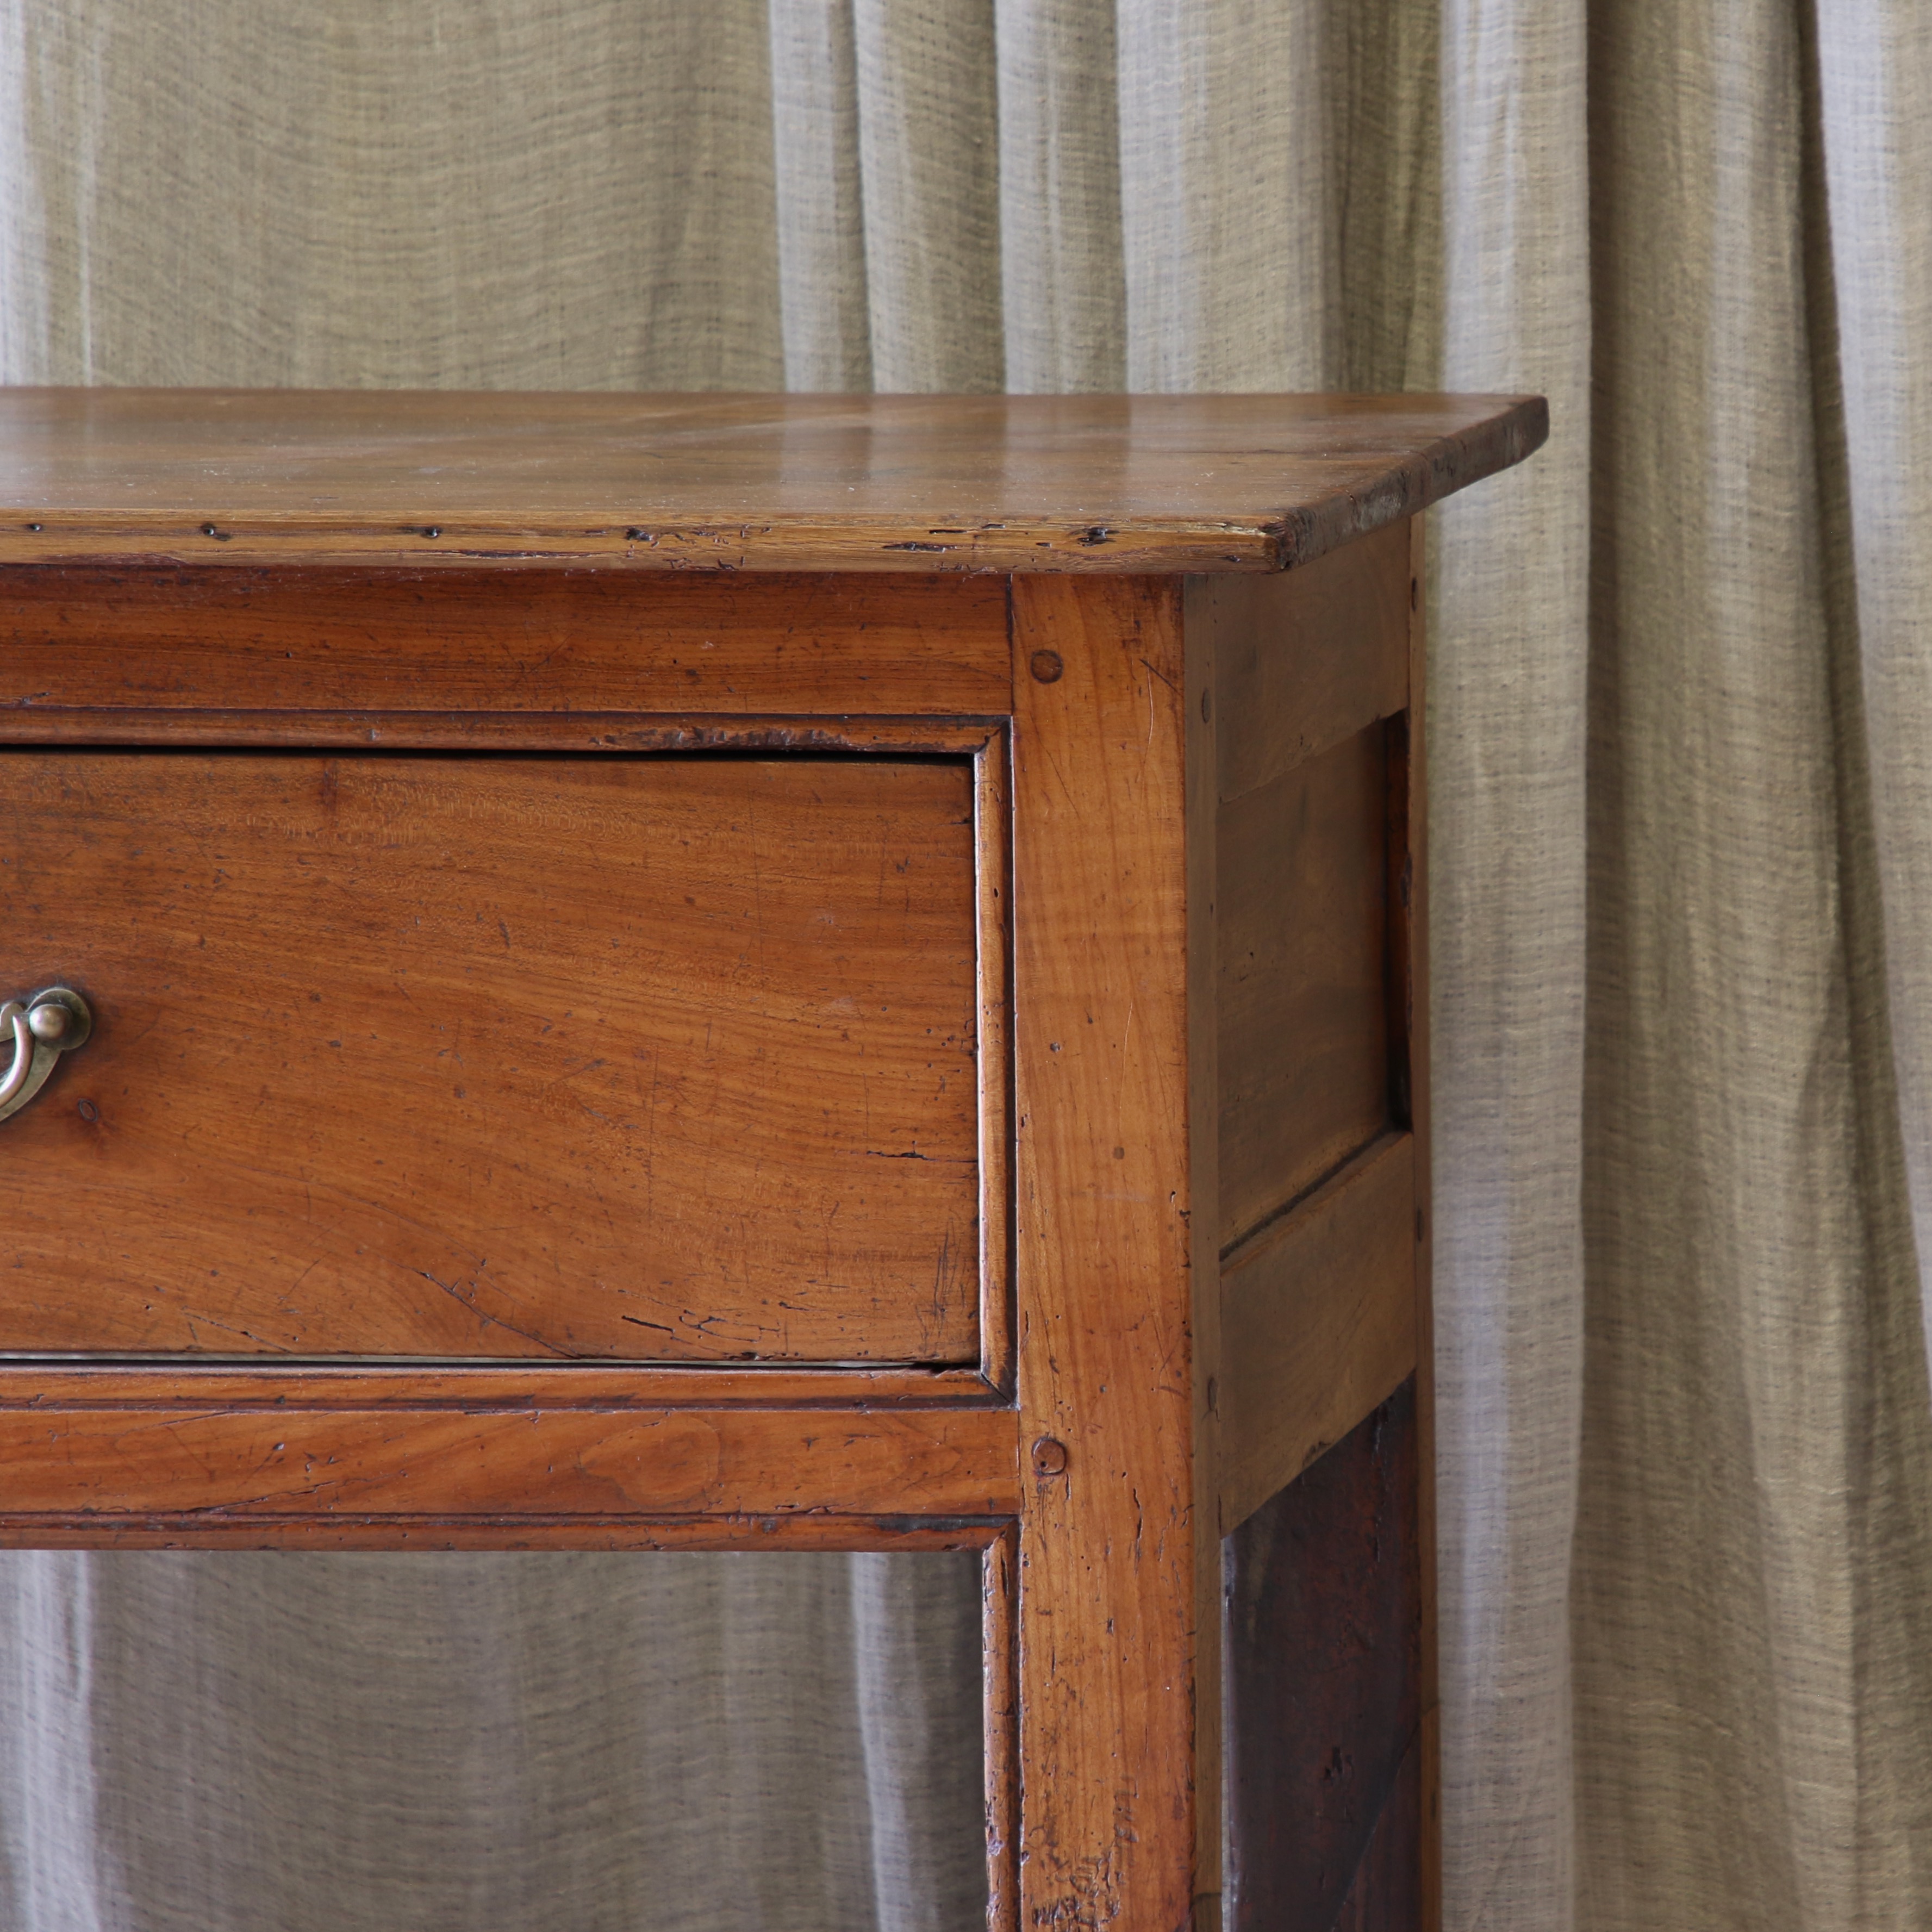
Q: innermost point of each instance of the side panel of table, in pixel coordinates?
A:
(1324, 1414)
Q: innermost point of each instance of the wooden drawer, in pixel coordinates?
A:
(459, 1056)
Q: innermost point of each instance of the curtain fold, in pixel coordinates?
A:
(1752, 1563)
(824, 292)
(1062, 267)
(1224, 195)
(929, 161)
(1874, 64)
(1682, 828)
(1508, 665)
(550, 194)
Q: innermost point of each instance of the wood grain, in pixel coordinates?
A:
(920, 484)
(1304, 660)
(1000, 1624)
(1414, 928)
(1107, 1658)
(992, 814)
(500, 1530)
(361, 730)
(675, 1462)
(1303, 976)
(1323, 1609)
(1318, 1318)
(1205, 720)
(1388, 1893)
(413, 641)
(468, 1057)
(499, 1386)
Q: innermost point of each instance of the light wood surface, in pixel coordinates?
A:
(505, 1385)
(1107, 1659)
(563, 1057)
(1000, 1632)
(62, 1462)
(397, 731)
(184, 641)
(923, 484)
(399, 1530)
(1318, 1319)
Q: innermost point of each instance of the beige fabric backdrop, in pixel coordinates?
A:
(1681, 787)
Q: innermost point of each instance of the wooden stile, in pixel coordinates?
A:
(1107, 1544)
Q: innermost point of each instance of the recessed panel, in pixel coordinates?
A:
(1305, 969)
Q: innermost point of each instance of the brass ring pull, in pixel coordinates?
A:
(47, 1026)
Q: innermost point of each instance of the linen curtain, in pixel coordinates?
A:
(1681, 794)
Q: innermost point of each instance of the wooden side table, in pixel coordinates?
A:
(699, 973)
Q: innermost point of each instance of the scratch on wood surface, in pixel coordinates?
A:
(1091, 1897)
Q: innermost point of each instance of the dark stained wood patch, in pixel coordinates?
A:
(1323, 1647)
(1386, 1894)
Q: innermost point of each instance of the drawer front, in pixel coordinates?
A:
(454, 1056)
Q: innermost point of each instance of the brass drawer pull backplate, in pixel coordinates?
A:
(47, 1026)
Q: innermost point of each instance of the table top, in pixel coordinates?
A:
(730, 481)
